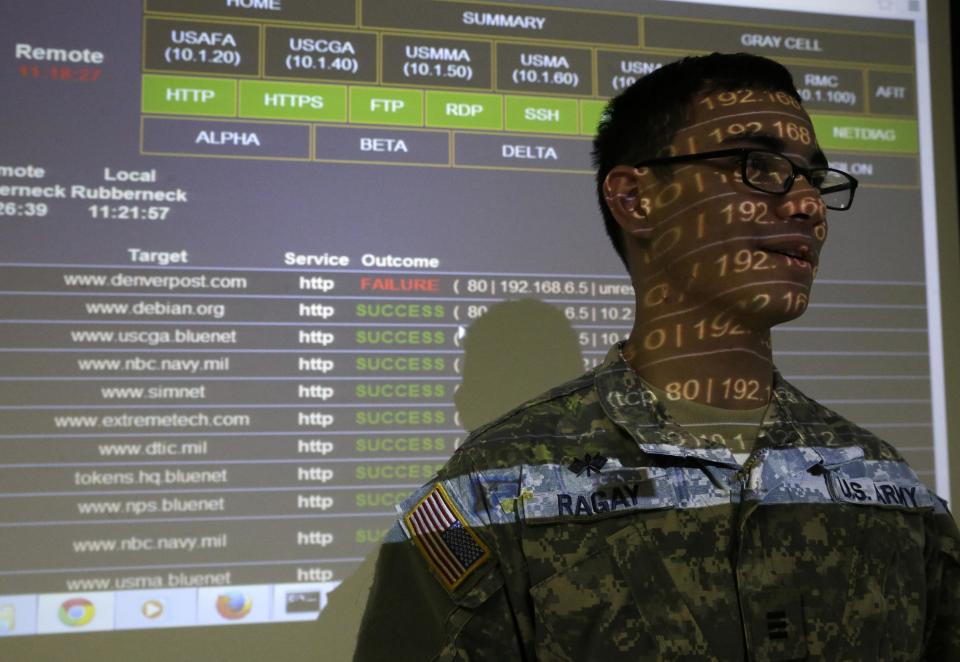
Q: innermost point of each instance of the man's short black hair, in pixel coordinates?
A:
(639, 122)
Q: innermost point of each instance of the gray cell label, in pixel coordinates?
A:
(777, 41)
(321, 54)
(475, 149)
(211, 137)
(538, 68)
(199, 46)
(364, 145)
(447, 62)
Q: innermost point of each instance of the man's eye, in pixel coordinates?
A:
(760, 164)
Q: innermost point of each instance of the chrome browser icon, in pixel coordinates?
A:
(233, 605)
(76, 612)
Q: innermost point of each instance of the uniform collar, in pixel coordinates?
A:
(630, 403)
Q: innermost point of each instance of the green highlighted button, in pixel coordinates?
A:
(462, 110)
(293, 101)
(185, 95)
(541, 114)
(382, 105)
(873, 134)
(590, 112)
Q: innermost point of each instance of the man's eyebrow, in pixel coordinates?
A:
(763, 139)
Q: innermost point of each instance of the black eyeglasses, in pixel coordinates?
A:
(772, 172)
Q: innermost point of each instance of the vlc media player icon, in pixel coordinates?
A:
(152, 609)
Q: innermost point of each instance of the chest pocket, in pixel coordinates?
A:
(836, 572)
(884, 600)
(588, 612)
(632, 584)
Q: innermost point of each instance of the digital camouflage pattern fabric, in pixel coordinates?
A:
(615, 534)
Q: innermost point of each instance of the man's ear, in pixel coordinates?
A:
(623, 191)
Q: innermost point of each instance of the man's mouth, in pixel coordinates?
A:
(797, 250)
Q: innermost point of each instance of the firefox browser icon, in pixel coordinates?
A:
(233, 605)
(76, 612)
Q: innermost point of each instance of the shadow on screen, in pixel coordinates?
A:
(513, 352)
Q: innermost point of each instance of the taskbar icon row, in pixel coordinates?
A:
(55, 613)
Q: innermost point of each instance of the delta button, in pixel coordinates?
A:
(522, 152)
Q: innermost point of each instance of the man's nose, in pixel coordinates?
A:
(802, 203)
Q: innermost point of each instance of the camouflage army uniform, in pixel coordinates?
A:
(586, 525)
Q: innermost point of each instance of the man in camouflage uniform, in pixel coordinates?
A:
(681, 500)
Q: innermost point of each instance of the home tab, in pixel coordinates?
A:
(307, 11)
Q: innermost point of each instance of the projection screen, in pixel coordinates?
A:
(243, 244)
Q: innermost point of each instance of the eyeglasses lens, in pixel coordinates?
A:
(835, 189)
(767, 171)
(772, 173)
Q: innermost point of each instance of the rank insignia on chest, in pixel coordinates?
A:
(442, 535)
(589, 463)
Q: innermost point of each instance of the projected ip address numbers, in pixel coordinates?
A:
(536, 286)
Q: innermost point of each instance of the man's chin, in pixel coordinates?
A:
(774, 320)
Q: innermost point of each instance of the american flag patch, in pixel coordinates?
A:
(450, 546)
